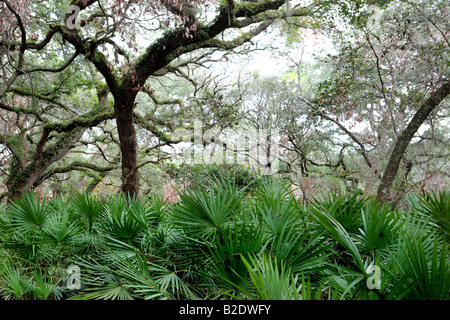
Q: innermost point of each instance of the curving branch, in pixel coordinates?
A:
(422, 113)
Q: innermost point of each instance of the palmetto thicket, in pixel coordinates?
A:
(225, 241)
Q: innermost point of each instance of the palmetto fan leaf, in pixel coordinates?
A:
(202, 210)
(299, 250)
(111, 291)
(115, 277)
(274, 206)
(27, 245)
(148, 213)
(60, 229)
(225, 251)
(437, 207)
(346, 209)
(124, 219)
(272, 280)
(41, 287)
(341, 235)
(430, 268)
(88, 207)
(171, 283)
(381, 227)
(154, 281)
(157, 208)
(276, 214)
(28, 213)
(12, 286)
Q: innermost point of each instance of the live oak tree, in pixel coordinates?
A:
(106, 34)
(67, 105)
(37, 141)
(192, 33)
(44, 113)
(44, 109)
(391, 80)
(426, 34)
(48, 49)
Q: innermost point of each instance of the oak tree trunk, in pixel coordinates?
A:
(404, 139)
(128, 143)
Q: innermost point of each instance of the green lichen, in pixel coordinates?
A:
(15, 143)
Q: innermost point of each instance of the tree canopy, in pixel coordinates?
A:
(95, 91)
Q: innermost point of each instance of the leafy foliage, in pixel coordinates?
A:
(435, 206)
(222, 242)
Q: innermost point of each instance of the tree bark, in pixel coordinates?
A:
(30, 176)
(128, 143)
(383, 193)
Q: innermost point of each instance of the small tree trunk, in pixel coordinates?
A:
(404, 139)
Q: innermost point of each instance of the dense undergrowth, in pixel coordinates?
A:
(225, 242)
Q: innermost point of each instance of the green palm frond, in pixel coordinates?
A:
(12, 285)
(201, 211)
(146, 213)
(225, 251)
(299, 250)
(29, 246)
(108, 291)
(437, 207)
(123, 219)
(274, 281)
(275, 208)
(340, 234)
(430, 268)
(60, 228)
(28, 213)
(89, 207)
(381, 228)
(157, 209)
(41, 288)
(171, 282)
(346, 209)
